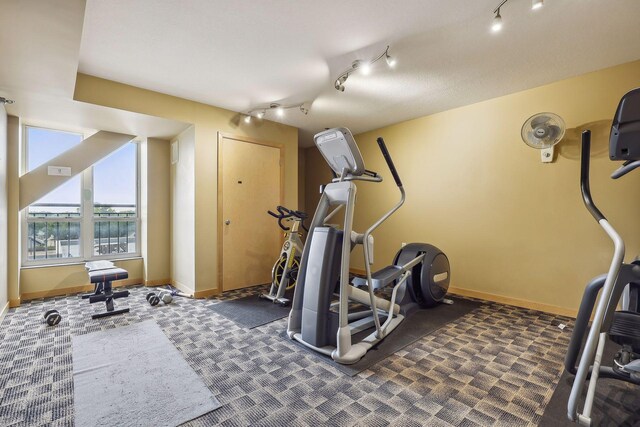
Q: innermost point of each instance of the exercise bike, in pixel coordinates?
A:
(619, 287)
(419, 276)
(285, 271)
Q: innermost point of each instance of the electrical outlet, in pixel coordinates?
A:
(58, 171)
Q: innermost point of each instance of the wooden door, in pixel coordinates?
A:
(250, 182)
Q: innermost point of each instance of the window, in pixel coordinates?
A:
(114, 202)
(63, 226)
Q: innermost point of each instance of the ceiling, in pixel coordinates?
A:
(243, 55)
(39, 47)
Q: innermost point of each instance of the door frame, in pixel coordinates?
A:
(247, 139)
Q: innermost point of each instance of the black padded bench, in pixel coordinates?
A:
(101, 274)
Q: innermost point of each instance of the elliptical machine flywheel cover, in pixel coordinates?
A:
(429, 280)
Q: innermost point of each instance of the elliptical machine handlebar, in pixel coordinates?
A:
(389, 160)
(627, 167)
(584, 176)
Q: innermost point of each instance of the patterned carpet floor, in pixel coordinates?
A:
(497, 365)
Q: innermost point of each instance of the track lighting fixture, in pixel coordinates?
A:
(496, 24)
(4, 100)
(261, 112)
(362, 66)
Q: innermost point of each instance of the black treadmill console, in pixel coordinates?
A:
(624, 141)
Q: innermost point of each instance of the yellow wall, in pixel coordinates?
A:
(4, 294)
(208, 122)
(317, 173)
(155, 203)
(40, 282)
(511, 226)
(13, 217)
(301, 174)
(183, 212)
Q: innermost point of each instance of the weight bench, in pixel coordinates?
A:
(101, 274)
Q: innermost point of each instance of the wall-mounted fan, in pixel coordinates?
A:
(543, 131)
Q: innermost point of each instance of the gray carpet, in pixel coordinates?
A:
(134, 376)
(417, 325)
(495, 366)
(250, 311)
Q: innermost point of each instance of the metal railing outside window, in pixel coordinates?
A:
(54, 230)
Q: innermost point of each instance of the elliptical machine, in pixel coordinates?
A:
(418, 278)
(620, 286)
(284, 273)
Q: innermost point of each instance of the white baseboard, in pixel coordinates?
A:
(4, 311)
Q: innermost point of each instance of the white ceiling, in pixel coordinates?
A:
(245, 54)
(39, 54)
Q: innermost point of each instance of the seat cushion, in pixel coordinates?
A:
(108, 275)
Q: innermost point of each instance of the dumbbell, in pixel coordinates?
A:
(52, 317)
(155, 298)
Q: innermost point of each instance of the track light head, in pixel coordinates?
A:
(391, 61)
(4, 100)
(536, 4)
(247, 118)
(304, 108)
(339, 83)
(364, 67)
(260, 114)
(497, 22)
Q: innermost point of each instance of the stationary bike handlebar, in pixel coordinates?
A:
(284, 213)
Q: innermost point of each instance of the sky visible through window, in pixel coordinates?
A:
(114, 176)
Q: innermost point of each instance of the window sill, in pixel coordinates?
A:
(67, 264)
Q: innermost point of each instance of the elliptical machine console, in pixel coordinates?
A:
(619, 287)
(419, 276)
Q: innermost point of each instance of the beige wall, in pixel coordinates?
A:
(13, 217)
(510, 225)
(208, 121)
(301, 176)
(4, 295)
(317, 173)
(183, 212)
(155, 203)
(40, 282)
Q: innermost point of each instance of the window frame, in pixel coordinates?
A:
(87, 220)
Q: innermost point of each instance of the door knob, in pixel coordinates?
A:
(227, 222)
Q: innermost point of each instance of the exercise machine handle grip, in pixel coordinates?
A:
(281, 216)
(627, 167)
(387, 157)
(584, 177)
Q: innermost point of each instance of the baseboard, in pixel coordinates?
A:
(206, 293)
(157, 282)
(75, 289)
(4, 311)
(547, 308)
(182, 287)
(13, 303)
